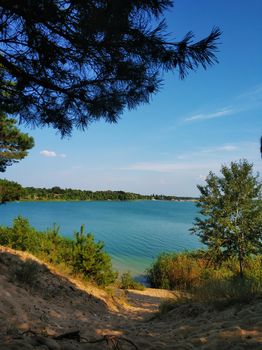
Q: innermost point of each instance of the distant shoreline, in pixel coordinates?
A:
(106, 200)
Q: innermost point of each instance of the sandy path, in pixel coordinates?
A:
(55, 305)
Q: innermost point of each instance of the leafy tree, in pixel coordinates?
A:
(9, 191)
(13, 143)
(67, 63)
(231, 209)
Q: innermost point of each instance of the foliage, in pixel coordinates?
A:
(89, 259)
(176, 270)
(58, 249)
(23, 236)
(195, 280)
(231, 209)
(9, 191)
(189, 270)
(13, 144)
(228, 291)
(128, 282)
(68, 63)
(218, 293)
(57, 193)
(82, 255)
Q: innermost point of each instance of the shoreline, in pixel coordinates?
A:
(106, 200)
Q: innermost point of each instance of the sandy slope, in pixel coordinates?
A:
(52, 305)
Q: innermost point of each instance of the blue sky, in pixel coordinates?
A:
(190, 126)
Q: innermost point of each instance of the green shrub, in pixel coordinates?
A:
(81, 254)
(176, 270)
(56, 249)
(21, 236)
(205, 283)
(128, 282)
(90, 259)
(6, 236)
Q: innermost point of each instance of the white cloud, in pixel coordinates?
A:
(47, 153)
(201, 161)
(204, 116)
(50, 154)
(246, 101)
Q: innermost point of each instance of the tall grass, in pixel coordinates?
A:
(192, 272)
(176, 270)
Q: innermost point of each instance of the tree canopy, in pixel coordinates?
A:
(9, 191)
(231, 209)
(13, 143)
(66, 63)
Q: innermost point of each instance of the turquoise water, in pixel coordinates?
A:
(134, 232)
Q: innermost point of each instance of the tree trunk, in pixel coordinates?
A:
(241, 268)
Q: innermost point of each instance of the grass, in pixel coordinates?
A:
(199, 282)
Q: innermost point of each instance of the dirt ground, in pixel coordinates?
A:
(52, 312)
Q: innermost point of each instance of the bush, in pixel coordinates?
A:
(205, 283)
(90, 259)
(21, 236)
(82, 254)
(128, 282)
(54, 248)
(176, 270)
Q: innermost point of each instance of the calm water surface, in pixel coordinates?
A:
(134, 232)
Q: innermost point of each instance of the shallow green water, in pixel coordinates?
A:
(134, 232)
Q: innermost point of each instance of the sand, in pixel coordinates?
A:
(34, 312)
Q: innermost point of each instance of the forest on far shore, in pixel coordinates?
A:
(57, 193)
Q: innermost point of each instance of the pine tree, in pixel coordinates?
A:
(13, 143)
(66, 63)
(90, 259)
(9, 191)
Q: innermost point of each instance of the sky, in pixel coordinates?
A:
(189, 128)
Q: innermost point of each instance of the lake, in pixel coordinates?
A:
(134, 232)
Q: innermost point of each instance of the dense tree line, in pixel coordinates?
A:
(11, 191)
(57, 193)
